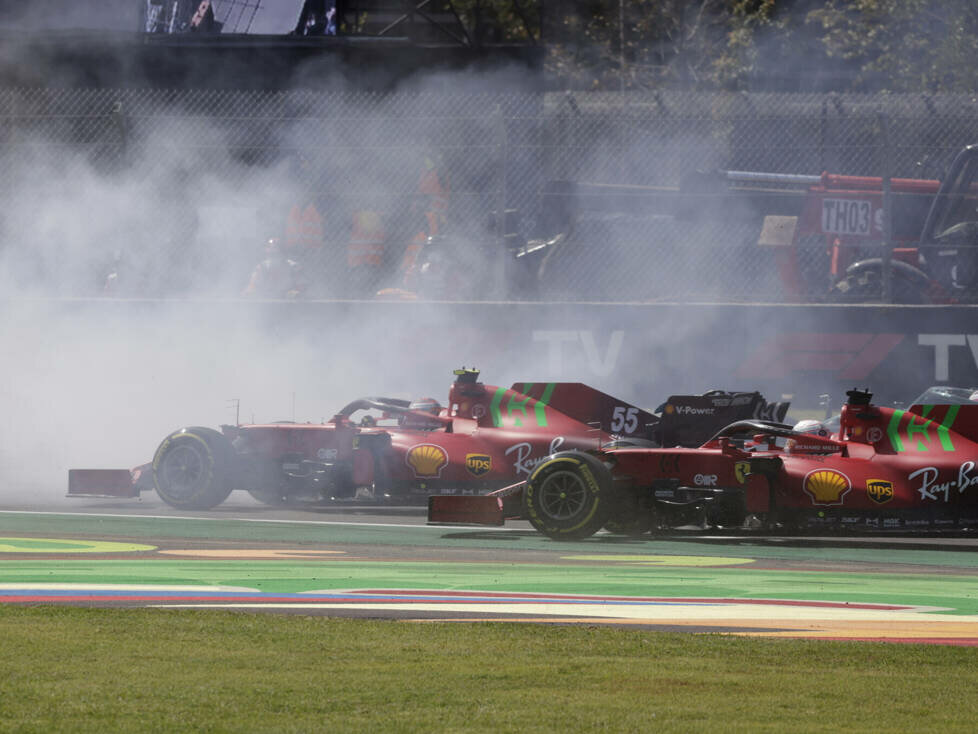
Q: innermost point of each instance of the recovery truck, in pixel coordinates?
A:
(933, 226)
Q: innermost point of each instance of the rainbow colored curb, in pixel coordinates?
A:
(825, 593)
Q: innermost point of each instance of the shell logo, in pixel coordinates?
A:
(427, 460)
(826, 486)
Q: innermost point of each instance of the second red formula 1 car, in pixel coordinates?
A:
(485, 438)
(885, 469)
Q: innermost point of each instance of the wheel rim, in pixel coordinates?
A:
(562, 495)
(182, 471)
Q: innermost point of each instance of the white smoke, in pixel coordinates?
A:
(91, 381)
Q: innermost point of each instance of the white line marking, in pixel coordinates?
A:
(436, 528)
(745, 612)
(186, 588)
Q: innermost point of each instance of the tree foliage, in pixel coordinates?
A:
(864, 45)
(501, 21)
(651, 43)
(902, 45)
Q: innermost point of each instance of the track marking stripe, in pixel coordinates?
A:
(661, 560)
(252, 553)
(436, 528)
(60, 545)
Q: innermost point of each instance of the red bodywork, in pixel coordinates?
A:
(930, 244)
(484, 438)
(847, 213)
(886, 469)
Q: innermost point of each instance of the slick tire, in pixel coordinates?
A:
(568, 496)
(192, 469)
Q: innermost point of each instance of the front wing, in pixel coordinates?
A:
(446, 509)
(113, 483)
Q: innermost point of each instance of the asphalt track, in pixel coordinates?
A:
(385, 562)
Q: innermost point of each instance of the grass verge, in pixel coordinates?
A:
(77, 669)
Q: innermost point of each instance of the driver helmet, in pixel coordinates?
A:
(812, 426)
(426, 405)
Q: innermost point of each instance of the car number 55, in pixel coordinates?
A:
(624, 420)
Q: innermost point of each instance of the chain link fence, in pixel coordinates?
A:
(164, 193)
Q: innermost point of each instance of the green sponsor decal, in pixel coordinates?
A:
(917, 434)
(517, 405)
(514, 405)
(541, 407)
(497, 398)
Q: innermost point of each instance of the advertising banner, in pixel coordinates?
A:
(337, 350)
(655, 350)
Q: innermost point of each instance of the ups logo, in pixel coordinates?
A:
(478, 464)
(879, 490)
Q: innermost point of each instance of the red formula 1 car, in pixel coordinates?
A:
(885, 469)
(382, 448)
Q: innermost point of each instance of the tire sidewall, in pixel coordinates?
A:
(594, 512)
(213, 451)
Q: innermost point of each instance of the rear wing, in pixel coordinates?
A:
(684, 420)
(691, 420)
(587, 405)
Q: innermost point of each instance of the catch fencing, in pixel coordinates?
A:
(607, 197)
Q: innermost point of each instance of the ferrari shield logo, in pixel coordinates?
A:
(741, 471)
(478, 464)
(879, 490)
